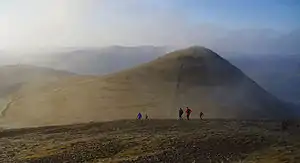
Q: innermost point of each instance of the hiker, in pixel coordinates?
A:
(180, 113)
(188, 112)
(139, 116)
(284, 125)
(201, 115)
(146, 117)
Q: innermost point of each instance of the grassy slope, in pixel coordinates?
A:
(153, 141)
(24, 78)
(208, 83)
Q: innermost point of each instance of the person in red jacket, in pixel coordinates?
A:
(188, 112)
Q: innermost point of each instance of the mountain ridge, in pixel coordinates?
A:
(206, 82)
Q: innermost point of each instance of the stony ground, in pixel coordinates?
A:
(168, 141)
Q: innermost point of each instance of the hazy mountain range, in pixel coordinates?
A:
(96, 61)
(277, 73)
(195, 77)
(13, 77)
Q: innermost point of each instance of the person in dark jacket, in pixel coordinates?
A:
(201, 115)
(180, 113)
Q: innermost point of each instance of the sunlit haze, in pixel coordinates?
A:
(269, 26)
(134, 81)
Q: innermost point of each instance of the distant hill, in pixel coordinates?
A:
(278, 74)
(195, 77)
(14, 76)
(98, 61)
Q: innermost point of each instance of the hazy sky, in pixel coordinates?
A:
(56, 23)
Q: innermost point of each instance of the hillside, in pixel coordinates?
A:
(195, 77)
(278, 74)
(169, 141)
(15, 77)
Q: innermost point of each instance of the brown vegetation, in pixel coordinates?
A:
(194, 77)
(154, 141)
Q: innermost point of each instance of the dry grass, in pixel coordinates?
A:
(207, 83)
(153, 141)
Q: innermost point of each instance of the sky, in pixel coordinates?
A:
(225, 25)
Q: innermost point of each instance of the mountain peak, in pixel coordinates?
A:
(196, 65)
(195, 77)
(193, 52)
